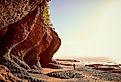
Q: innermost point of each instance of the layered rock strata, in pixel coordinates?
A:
(27, 39)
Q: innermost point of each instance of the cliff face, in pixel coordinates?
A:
(27, 40)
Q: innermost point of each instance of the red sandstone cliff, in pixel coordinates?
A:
(26, 38)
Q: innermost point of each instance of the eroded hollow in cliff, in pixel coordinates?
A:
(28, 36)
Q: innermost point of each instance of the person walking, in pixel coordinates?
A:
(74, 66)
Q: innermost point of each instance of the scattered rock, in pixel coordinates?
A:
(34, 71)
(108, 68)
(107, 75)
(7, 76)
(29, 78)
(65, 74)
(54, 66)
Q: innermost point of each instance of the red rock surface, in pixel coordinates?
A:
(52, 48)
(6, 75)
(25, 33)
(27, 39)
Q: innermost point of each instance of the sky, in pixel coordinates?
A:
(87, 28)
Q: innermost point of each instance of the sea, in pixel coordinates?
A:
(90, 60)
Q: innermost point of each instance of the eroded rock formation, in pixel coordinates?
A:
(27, 39)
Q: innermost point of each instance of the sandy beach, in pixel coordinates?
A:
(88, 73)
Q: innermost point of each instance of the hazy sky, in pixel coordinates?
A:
(88, 27)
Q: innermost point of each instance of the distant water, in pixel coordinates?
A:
(86, 62)
(96, 60)
(92, 60)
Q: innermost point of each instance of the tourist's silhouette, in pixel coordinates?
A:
(74, 66)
